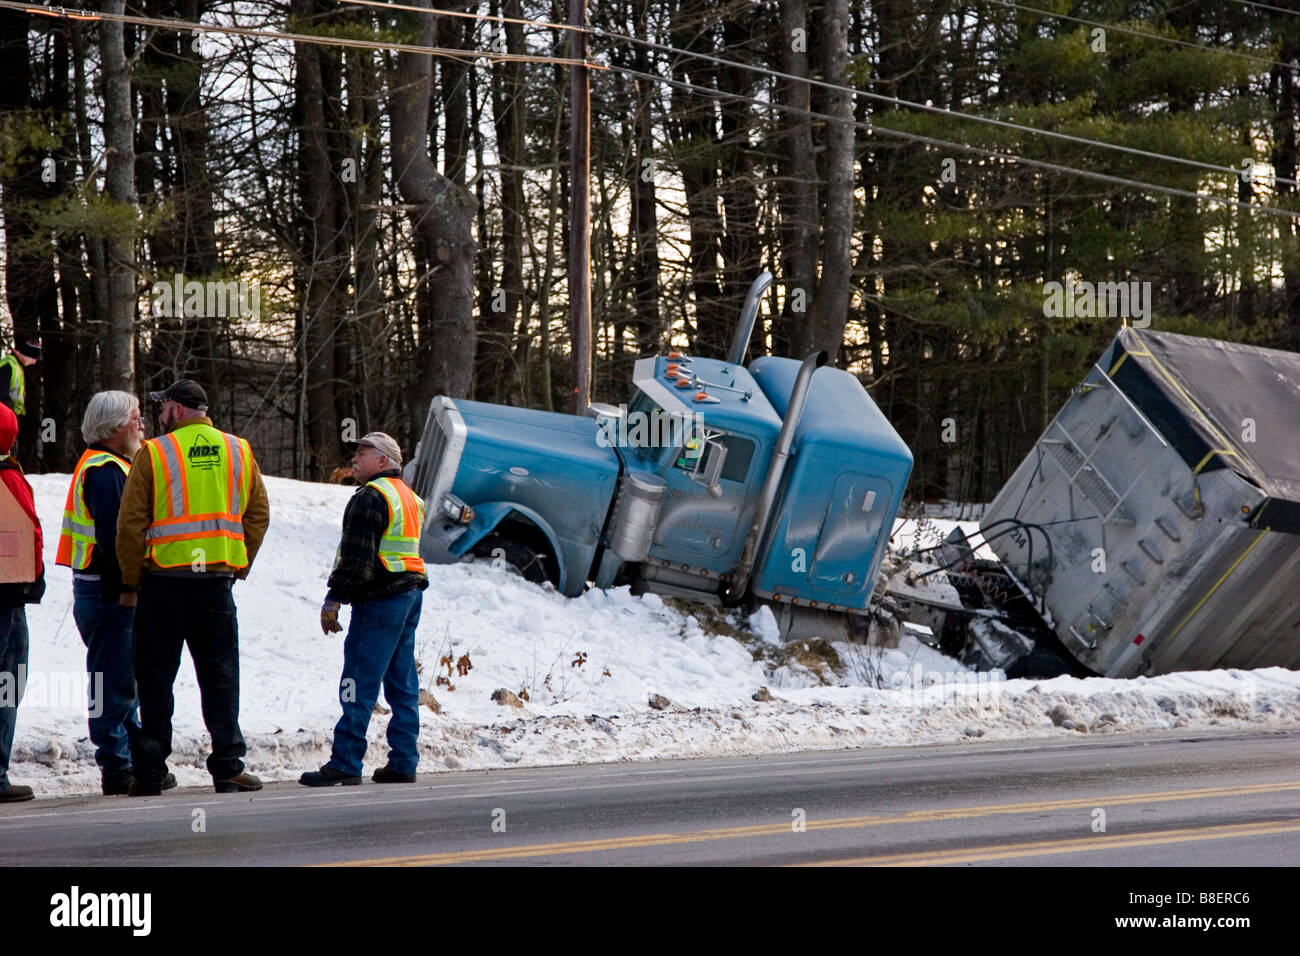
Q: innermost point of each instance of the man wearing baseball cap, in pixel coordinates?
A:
(194, 512)
(13, 382)
(379, 572)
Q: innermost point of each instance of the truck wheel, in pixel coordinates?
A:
(1039, 664)
(532, 565)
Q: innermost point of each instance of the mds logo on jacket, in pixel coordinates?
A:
(204, 454)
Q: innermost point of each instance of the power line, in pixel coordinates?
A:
(181, 25)
(166, 23)
(963, 147)
(839, 88)
(465, 15)
(1138, 33)
(1267, 6)
(496, 56)
(1007, 157)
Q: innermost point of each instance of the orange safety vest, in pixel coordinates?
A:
(399, 547)
(77, 539)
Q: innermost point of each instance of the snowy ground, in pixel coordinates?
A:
(585, 671)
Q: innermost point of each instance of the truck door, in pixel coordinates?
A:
(850, 533)
(695, 527)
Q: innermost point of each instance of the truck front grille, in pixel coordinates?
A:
(437, 457)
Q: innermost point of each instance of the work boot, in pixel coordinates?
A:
(139, 789)
(117, 783)
(386, 774)
(243, 782)
(327, 776)
(14, 793)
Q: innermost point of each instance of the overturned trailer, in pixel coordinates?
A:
(1155, 524)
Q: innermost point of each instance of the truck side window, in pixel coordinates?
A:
(740, 452)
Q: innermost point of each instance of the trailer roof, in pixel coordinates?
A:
(1219, 404)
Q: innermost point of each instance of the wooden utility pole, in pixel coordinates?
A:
(580, 211)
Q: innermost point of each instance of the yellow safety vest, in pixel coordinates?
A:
(77, 539)
(17, 383)
(201, 482)
(399, 547)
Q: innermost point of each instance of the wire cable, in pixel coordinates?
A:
(470, 56)
(1267, 6)
(1138, 33)
(167, 23)
(963, 147)
(836, 87)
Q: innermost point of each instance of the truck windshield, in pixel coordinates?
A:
(649, 428)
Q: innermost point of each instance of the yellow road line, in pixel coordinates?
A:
(1076, 845)
(778, 829)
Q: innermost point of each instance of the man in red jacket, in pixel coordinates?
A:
(15, 594)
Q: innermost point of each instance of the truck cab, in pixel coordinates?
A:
(716, 482)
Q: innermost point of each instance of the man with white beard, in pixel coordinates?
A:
(103, 607)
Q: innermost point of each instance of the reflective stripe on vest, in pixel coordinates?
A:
(17, 383)
(77, 539)
(399, 547)
(202, 480)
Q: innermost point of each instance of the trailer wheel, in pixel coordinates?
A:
(1039, 664)
(532, 564)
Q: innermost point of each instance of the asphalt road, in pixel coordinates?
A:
(1164, 800)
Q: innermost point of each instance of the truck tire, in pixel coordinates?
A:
(532, 565)
(1039, 664)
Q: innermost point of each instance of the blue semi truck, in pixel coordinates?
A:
(776, 481)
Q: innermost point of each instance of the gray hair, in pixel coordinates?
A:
(107, 412)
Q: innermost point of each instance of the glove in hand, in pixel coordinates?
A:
(329, 618)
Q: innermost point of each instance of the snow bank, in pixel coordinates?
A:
(584, 670)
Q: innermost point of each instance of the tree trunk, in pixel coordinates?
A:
(443, 215)
(1286, 163)
(29, 257)
(363, 116)
(580, 220)
(739, 191)
(645, 257)
(495, 379)
(831, 309)
(695, 147)
(320, 270)
(798, 192)
(118, 355)
(94, 310)
(204, 334)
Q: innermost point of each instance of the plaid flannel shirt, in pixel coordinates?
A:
(359, 575)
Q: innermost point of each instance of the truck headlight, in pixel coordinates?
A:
(457, 510)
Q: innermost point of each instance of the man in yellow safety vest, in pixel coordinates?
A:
(13, 381)
(379, 572)
(194, 512)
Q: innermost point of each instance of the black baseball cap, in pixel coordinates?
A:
(186, 392)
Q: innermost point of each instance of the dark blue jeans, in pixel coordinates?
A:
(106, 631)
(380, 648)
(13, 679)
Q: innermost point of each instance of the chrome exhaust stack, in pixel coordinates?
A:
(740, 342)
